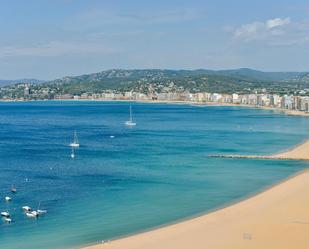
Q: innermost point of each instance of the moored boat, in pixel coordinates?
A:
(13, 189)
(130, 122)
(32, 214)
(5, 214)
(26, 208)
(41, 212)
(75, 142)
(7, 220)
(7, 198)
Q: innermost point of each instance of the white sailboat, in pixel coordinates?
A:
(13, 189)
(40, 211)
(75, 142)
(130, 121)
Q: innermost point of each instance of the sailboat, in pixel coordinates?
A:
(130, 121)
(13, 189)
(40, 211)
(75, 143)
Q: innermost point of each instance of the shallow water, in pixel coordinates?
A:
(153, 174)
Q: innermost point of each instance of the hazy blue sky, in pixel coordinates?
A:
(52, 38)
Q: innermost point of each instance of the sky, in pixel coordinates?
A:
(48, 39)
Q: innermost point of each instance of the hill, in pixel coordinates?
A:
(18, 81)
(201, 80)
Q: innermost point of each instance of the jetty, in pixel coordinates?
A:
(299, 153)
(273, 157)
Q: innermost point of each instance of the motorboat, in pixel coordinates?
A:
(7, 220)
(5, 214)
(7, 198)
(26, 208)
(32, 214)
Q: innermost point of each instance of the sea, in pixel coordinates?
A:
(126, 180)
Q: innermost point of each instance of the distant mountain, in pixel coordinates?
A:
(163, 81)
(12, 82)
(242, 73)
(157, 80)
(257, 75)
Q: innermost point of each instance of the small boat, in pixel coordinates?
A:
(32, 214)
(7, 198)
(112, 136)
(5, 214)
(7, 220)
(13, 189)
(26, 208)
(75, 143)
(41, 212)
(130, 121)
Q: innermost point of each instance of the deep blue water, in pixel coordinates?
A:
(154, 174)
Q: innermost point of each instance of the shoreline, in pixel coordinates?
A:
(275, 109)
(157, 237)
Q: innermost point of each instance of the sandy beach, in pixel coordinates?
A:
(275, 219)
(300, 152)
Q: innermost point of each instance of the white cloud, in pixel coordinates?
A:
(274, 32)
(56, 48)
(248, 31)
(262, 30)
(277, 22)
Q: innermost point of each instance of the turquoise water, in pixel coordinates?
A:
(151, 175)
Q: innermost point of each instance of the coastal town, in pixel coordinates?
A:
(29, 92)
